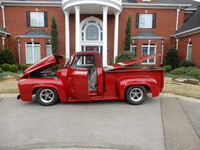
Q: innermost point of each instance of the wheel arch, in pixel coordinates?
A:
(60, 91)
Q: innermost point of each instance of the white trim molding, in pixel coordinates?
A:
(155, 5)
(32, 3)
(187, 32)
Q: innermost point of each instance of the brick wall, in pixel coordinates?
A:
(182, 47)
(165, 24)
(16, 24)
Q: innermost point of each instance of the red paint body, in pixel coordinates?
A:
(72, 85)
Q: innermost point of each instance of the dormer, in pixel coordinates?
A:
(146, 1)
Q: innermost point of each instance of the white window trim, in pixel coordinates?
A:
(162, 51)
(188, 46)
(90, 42)
(148, 53)
(33, 54)
(133, 45)
(146, 22)
(48, 45)
(37, 19)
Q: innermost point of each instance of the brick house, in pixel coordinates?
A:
(96, 25)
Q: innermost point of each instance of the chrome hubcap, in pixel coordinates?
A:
(46, 95)
(136, 94)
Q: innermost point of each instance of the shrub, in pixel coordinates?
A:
(187, 63)
(172, 58)
(190, 71)
(168, 68)
(55, 68)
(1, 70)
(13, 68)
(23, 67)
(7, 56)
(111, 61)
(5, 67)
(126, 55)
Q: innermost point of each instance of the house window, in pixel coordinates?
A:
(145, 20)
(161, 52)
(189, 51)
(37, 19)
(32, 52)
(148, 49)
(48, 49)
(133, 49)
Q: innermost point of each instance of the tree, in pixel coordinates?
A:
(127, 41)
(172, 58)
(54, 35)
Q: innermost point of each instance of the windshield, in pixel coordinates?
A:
(69, 61)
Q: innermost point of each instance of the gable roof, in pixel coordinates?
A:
(194, 4)
(146, 35)
(190, 25)
(38, 33)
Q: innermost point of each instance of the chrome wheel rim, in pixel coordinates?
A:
(47, 95)
(136, 94)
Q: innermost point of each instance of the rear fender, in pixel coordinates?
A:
(123, 84)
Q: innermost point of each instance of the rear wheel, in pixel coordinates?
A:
(136, 94)
(47, 96)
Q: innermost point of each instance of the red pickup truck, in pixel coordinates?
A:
(84, 79)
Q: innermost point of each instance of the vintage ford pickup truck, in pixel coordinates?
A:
(84, 79)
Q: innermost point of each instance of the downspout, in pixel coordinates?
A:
(3, 15)
(177, 18)
(177, 40)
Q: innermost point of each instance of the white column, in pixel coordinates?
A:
(177, 18)
(105, 11)
(77, 12)
(116, 35)
(177, 40)
(3, 15)
(67, 41)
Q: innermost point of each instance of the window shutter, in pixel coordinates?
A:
(154, 20)
(137, 20)
(28, 18)
(45, 19)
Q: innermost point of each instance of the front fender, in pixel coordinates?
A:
(122, 84)
(27, 85)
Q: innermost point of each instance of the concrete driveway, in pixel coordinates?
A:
(159, 123)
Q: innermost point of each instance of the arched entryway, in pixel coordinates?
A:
(91, 31)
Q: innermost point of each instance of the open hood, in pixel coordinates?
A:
(129, 62)
(45, 63)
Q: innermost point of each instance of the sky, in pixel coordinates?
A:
(197, 0)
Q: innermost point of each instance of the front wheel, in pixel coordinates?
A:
(47, 96)
(136, 94)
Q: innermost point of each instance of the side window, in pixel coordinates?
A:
(83, 61)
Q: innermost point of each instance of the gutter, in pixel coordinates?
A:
(187, 32)
(32, 3)
(155, 5)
